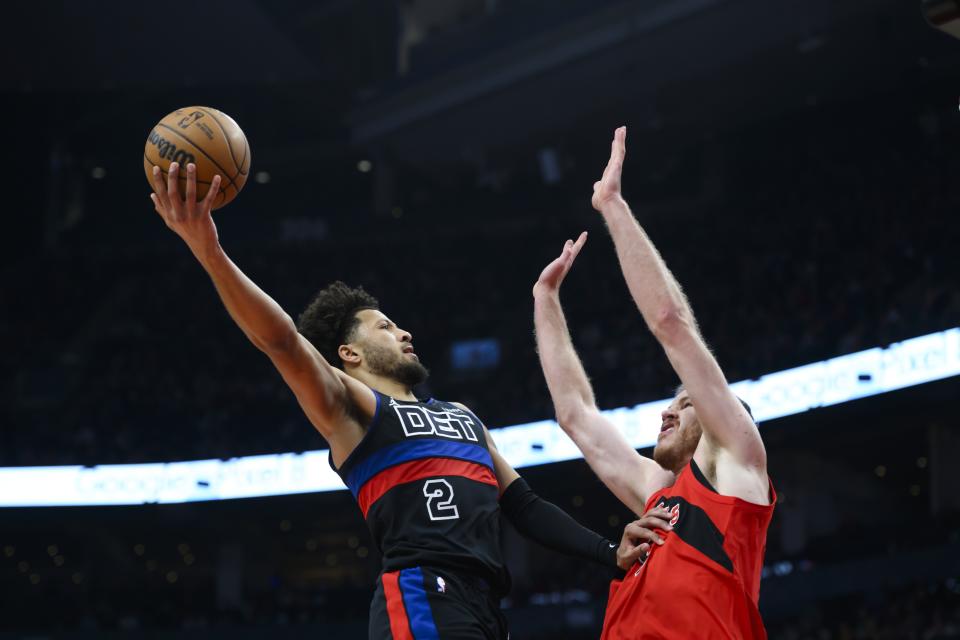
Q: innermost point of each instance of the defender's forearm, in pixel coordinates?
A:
(264, 322)
(655, 291)
(566, 378)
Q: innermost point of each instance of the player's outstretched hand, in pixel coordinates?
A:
(188, 218)
(607, 189)
(639, 536)
(552, 276)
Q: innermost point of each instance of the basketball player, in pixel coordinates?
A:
(426, 473)
(709, 466)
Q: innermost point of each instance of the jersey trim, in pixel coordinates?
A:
(700, 477)
(366, 436)
(409, 450)
(705, 490)
(415, 470)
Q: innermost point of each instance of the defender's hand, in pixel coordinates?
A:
(188, 218)
(554, 273)
(639, 536)
(607, 189)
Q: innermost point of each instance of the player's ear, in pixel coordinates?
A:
(349, 354)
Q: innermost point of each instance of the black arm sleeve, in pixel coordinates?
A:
(547, 524)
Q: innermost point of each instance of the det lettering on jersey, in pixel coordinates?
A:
(446, 423)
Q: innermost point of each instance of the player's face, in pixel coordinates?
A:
(387, 350)
(679, 433)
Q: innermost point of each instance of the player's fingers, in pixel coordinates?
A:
(629, 559)
(655, 522)
(659, 512)
(173, 187)
(614, 152)
(579, 243)
(212, 193)
(638, 533)
(620, 143)
(158, 187)
(191, 194)
(635, 554)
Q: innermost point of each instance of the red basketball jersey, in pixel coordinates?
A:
(704, 581)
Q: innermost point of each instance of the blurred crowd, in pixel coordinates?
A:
(845, 243)
(921, 612)
(567, 601)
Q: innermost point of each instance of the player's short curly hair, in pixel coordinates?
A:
(331, 318)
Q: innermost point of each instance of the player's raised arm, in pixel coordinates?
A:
(325, 394)
(630, 476)
(726, 424)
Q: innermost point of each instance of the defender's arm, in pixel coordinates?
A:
(630, 476)
(665, 309)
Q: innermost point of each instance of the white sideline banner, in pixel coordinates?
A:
(858, 375)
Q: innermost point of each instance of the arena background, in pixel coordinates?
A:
(796, 162)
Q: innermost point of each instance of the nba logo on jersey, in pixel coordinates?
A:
(441, 585)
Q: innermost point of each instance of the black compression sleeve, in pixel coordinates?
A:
(547, 524)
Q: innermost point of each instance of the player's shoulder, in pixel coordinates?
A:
(659, 484)
(459, 405)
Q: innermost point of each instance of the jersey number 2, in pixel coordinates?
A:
(439, 496)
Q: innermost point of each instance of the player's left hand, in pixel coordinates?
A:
(639, 536)
(554, 273)
(607, 189)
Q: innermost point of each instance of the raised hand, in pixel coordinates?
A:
(607, 189)
(188, 218)
(552, 276)
(639, 536)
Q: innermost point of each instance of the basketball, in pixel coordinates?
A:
(211, 140)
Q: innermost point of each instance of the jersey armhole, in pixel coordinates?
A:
(366, 436)
(702, 479)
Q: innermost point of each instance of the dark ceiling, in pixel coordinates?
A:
(315, 80)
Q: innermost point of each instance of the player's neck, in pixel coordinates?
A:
(386, 386)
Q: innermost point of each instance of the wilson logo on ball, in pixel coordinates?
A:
(168, 150)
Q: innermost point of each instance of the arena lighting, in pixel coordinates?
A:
(858, 375)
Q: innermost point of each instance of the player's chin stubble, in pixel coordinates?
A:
(674, 455)
(386, 363)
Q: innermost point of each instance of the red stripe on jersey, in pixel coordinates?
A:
(399, 624)
(415, 470)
